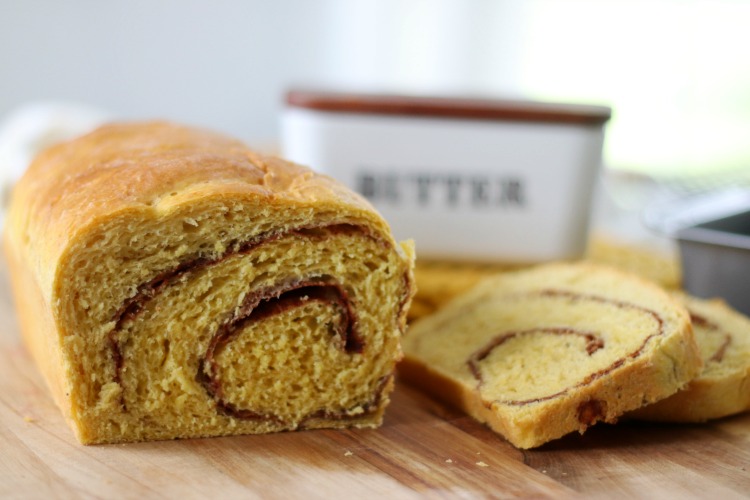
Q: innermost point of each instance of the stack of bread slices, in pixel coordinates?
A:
(541, 352)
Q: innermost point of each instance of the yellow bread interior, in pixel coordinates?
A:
(723, 386)
(542, 352)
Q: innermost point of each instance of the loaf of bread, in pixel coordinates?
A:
(723, 387)
(171, 283)
(539, 353)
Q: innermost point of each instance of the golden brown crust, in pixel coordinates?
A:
(38, 328)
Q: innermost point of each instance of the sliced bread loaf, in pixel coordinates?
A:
(539, 353)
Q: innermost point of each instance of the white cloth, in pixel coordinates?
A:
(28, 129)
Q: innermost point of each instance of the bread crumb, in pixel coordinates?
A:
(29, 419)
(448, 461)
(348, 453)
(482, 464)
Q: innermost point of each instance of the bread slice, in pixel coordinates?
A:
(723, 387)
(440, 281)
(539, 353)
(172, 283)
(661, 266)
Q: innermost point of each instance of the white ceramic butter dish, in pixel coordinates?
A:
(467, 179)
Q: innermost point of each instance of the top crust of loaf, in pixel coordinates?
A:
(152, 168)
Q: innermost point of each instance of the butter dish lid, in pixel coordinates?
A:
(448, 107)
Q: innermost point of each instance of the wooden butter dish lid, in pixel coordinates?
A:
(449, 107)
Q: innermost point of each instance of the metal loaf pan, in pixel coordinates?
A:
(716, 259)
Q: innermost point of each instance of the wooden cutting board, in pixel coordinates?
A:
(422, 450)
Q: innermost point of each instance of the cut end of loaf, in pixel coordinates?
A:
(291, 329)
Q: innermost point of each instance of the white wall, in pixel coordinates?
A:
(218, 63)
(226, 63)
(677, 72)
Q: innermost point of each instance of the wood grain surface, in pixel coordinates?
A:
(422, 450)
